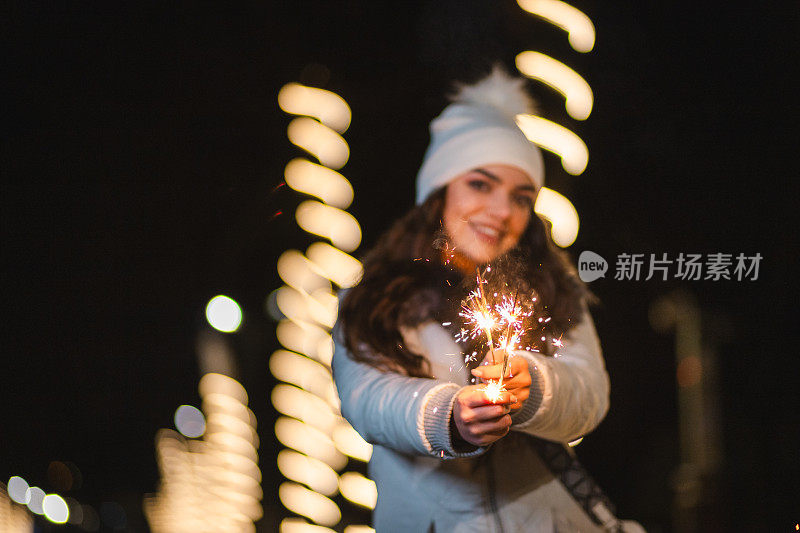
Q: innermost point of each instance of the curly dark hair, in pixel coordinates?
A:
(406, 282)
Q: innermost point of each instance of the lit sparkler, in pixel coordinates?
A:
(493, 390)
(482, 319)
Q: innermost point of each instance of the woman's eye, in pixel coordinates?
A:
(523, 200)
(478, 185)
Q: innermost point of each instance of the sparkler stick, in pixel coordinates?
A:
(488, 320)
(511, 319)
(484, 318)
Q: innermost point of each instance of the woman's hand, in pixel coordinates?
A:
(479, 420)
(517, 380)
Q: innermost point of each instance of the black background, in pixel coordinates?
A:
(142, 155)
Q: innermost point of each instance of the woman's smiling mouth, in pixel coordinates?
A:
(490, 234)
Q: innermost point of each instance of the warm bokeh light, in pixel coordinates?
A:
(221, 422)
(55, 509)
(232, 443)
(339, 267)
(18, 490)
(190, 421)
(575, 442)
(309, 408)
(339, 226)
(304, 372)
(320, 141)
(306, 338)
(297, 271)
(689, 371)
(213, 483)
(562, 215)
(577, 92)
(578, 26)
(326, 106)
(306, 310)
(35, 497)
(91, 520)
(321, 307)
(75, 511)
(215, 383)
(215, 402)
(62, 476)
(557, 139)
(298, 525)
(309, 471)
(313, 505)
(310, 441)
(349, 442)
(224, 314)
(358, 489)
(232, 461)
(358, 529)
(326, 184)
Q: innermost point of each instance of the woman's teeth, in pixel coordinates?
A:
(488, 231)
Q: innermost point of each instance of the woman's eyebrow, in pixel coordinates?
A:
(493, 177)
(487, 174)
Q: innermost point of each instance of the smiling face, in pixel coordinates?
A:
(486, 211)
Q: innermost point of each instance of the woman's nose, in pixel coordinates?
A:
(500, 207)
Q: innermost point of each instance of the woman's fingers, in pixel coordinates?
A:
(479, 420)
(483, 433)
(516, 366)
(517, 382)
(498, 427)
(489, 371)
(485, 413)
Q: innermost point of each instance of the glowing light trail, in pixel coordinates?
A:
(578, 26)
(557, 139)
(577, 93)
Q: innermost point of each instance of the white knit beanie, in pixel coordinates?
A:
(479, 128)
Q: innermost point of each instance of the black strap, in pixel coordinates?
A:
(564, 465)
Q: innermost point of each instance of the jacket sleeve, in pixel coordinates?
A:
(410, 415)
(570, 391)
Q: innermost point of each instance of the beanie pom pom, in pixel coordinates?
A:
(499, 90)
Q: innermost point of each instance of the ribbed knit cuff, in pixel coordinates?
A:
(433, 422)
(531, 405)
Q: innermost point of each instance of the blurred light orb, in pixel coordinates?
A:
(60, 476)
(224, 314)
(190, 421)
(91, 520)
(35, 497)
(75, 511)
(55, 509)
(18, 490)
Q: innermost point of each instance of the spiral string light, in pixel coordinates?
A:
(211, 484)
(578, 26)
(578, 101)
(318, 442)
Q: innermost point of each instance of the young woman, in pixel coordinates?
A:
(445, 457)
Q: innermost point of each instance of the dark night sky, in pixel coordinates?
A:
(142, 145)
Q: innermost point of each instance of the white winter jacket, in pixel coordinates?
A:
(425, 485)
